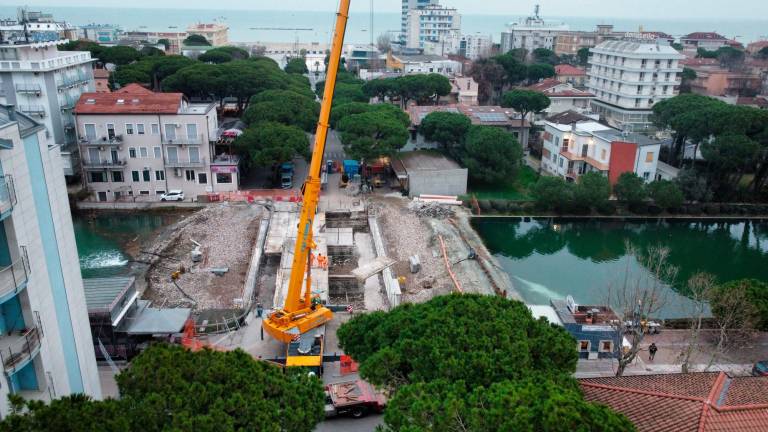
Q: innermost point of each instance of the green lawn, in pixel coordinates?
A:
(515, 190)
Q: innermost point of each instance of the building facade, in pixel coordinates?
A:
(568, 74)
(432, 23)
(34, 26)
(45, 83)
(408, 5)
(45, 343)
(216, 33)
(106, 34)
(575, 145)
(630, 76)
(716, 81)
(138, 145)
(422, 64)
(709, 41)
(563, 96)
(531, 33)
(475, 46)
(175, 39)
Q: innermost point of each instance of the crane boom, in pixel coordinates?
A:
(299, 313)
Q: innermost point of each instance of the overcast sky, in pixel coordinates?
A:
(671, 9)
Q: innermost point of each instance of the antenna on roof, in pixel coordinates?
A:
(536, 11)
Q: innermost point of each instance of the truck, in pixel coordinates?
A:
(352, 398)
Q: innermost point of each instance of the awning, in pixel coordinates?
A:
(148, 321)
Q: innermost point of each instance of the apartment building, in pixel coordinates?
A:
(464, 91)
(470, 46)
(106, 34)
(709, 41)
(45, 83)
(430, 24)
(422, 64)
(713, 80)
(566, 73)
(138, 145)
(407, 6)
(575, 145)
(175, 39)
(630, 76)
(531, 33)
(46, 349)
(216, 33)
(34, 26)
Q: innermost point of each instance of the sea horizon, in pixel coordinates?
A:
(245, 25)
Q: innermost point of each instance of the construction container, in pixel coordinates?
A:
(351, 167)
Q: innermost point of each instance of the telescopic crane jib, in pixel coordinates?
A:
(301, 312)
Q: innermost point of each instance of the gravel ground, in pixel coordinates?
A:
(227, 233)
(407, 232)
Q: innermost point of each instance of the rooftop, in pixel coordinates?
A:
(571, 313)
(102, 293)
(612, 135)
(9, 114)
(479, 115)
(568, 117)
(630, 47)
(426, 161)
(131, 99)
(566, 69)
(704, 36)
(695, 402)
(419, 58)
(554, 88)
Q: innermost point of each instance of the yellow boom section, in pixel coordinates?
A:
(299, 315)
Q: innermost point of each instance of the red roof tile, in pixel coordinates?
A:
(704, 36)
(547, 86)
(701, 402)
(131, 99)
(566, 69)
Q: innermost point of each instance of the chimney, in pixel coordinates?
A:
(573, 127)
(11, 112)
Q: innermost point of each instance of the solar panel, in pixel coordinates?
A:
(491, 117)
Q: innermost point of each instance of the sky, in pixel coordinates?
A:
(672, 9)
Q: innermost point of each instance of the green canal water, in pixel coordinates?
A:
(107, 241)
(551, 258)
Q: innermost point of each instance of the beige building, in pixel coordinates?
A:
(216, 33)
(137, 145)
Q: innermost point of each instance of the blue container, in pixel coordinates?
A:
(351, 167)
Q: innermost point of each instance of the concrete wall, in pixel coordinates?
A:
(443, 182)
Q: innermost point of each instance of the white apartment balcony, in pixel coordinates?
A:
(14, 278)
(184, 163)
(34, 89)
(71, 81)
(184, 140)
(7, 197)
(102, 164)
(37, 110)
(19, 348)
(117, 140)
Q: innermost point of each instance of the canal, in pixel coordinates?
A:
(551, 258)
(106, 242)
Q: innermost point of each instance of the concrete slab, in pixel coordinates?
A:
(372, 268)
(373, 297)
(340, 236)
(284, 216)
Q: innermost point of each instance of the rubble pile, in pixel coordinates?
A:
(430, 209)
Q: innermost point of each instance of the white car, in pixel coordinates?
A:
(174, 195)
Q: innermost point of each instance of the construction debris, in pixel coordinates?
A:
(430, 209)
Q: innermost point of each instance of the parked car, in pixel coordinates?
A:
(760, 368)
(174, 195)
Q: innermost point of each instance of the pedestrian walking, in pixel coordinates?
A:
(652, 350)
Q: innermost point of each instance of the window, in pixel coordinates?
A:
(155, 129)
(135, 175)
(202, 178)
(144, 192)
(192, 132)
(98, 177)
(190, 175)
(560, 162)
(159, 175)
(90, 132)
(132, 153)
(140, 128)
(159, 192)
(129, 129)
(158, 153)
(223, 178)
(583, 345)
(117, 176)
(170, 131)
(606, 346)
(649, 157)
(145, 175)
(194, 154)
(646, 175)
(143, 152)
(110, 130)
(557, 141)
(602, 154)
(173, 155)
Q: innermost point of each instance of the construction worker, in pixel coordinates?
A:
(322, 261)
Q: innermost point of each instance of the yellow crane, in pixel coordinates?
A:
(301, 313)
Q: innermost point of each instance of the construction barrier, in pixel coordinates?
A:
(252, 195)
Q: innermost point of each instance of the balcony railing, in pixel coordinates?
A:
(102, 141)
(184, 163)
(101, 164)
(68, 81)
(22, 347)
(7, 195)
(33, 110)
(14, 277)
(184, 140)
(29, 88)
